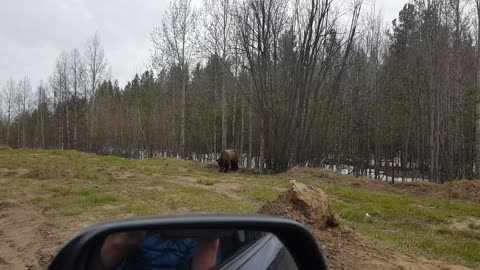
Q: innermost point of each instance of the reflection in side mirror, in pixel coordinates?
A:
(193, 242)
(191, 249)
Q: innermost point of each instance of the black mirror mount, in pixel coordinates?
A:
(294, 236)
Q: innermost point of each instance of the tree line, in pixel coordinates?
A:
(288, 83)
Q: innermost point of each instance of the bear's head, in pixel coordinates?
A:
(220, 162)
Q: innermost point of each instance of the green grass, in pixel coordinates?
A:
(474, 226)
(207, 182)
(416, 227)
(263, 195)
(78, 185)
(96, 199)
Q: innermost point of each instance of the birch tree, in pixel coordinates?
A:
(477, 163)
(174, 44)
(24, 91)
(9, 100)
(42, 109)
(77, 83)
(96, 71)
(219, 22)
(61, 86)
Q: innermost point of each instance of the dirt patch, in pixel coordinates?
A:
(152, 188)
(4, 147)
(342, 247)
(27, 239)
(465, 190)
(12, 172)
(124, 175)
(227, 188)
(47, 173)
(214, 167)
(209, 165)
(466, 225)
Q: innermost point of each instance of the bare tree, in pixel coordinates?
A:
(9, 101)
(42, 109)
(219, 24)
(477, 163)
(174, 45)
(77, 83)
(96, 69)
(2, 117)
(60, 83)
(24, 91)
(291, 59)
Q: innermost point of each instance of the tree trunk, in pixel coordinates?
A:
(262, 146)
(477, 159)
(24, 135)
(18, 133)
(477, 107)
(182, 117)
(67, 117)
(224, 110)
(250, 137)
(75, 124)
(174, 138)
(42, 129)
(142, 131)
(91, 123)
(234, 119)
(242, 125)
(61, 132)
(7, 139)
(215, 111)
(476, 171)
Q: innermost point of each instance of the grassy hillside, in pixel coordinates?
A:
(69, 186)
(72, 183)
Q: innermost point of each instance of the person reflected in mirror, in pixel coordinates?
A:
(142, 250)
(206, 254)
(116, 247)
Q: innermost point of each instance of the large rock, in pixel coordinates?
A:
(305, 204)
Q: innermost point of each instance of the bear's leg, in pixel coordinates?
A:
(227, 166)
(234, 166)
(221, 165)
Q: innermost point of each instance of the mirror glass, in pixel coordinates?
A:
(191, 249)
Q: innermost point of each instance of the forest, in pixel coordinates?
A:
(315, 83)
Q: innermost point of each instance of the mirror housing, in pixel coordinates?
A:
(294, 236)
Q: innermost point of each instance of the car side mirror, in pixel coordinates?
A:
(193, 242)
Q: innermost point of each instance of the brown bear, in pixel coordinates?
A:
(228, 160)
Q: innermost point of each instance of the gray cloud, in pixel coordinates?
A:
(390, 8)
(33, 33)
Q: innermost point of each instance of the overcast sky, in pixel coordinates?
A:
(34, 32)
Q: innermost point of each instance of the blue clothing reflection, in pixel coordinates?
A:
(157, 253)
